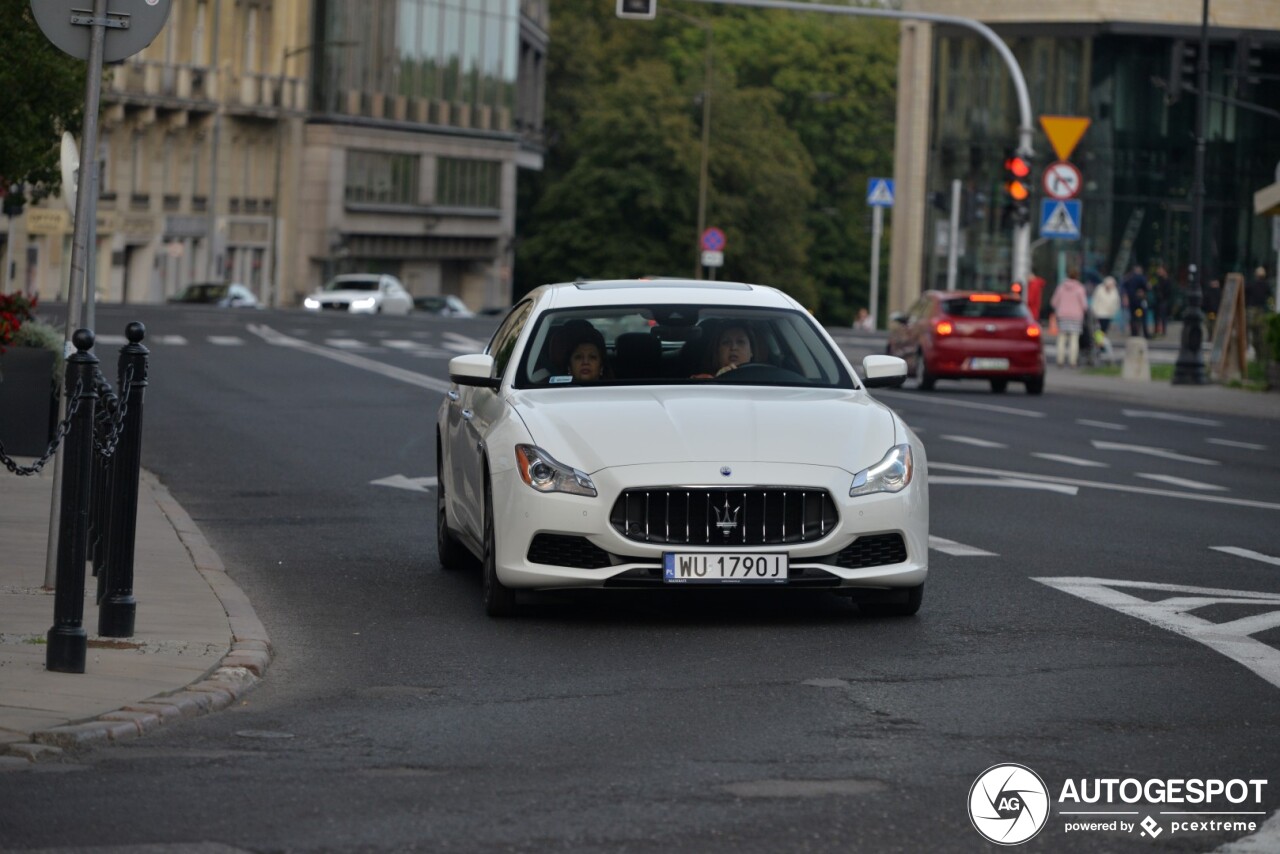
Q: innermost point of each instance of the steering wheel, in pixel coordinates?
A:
(760, 372)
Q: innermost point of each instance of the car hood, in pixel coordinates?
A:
(596, 428)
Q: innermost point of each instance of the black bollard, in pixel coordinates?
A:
(67, 641)
(117, 610)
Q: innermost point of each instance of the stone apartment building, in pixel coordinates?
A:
(1109, 61)
(279, 142)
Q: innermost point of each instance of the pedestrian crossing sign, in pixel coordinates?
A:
(1060, 218)
(880, 192)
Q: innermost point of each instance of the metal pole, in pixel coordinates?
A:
(1189, 369)
(86, 210)
(877, 228)
(953, 236)
(215, 254)
(275, 198)
(706, 148)
(67, 641)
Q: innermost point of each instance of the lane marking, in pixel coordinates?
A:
(462, 343)
(1252, 555)
(1105, 425)
(970, 440)
(271, 336)
(1181, 481)
(413, 484)
(1071, 461)
(1012, 483)
(951, 547)
(110, 340)
(174, 340)
(1169, 416)
(226, 340)
(347, 344)
(1114, 487)
(1228, 443)
(1163, 453)
(1231, 638)
(964, 404)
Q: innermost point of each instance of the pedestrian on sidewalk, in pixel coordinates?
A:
(1069, 302)
(1105, 303)
(1134, 295)
(1255, 309)
(1162, 300)
(1210, 300)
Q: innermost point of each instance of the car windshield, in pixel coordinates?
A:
(370, 284)
(204, 293)
(984, 306)
(680, 344)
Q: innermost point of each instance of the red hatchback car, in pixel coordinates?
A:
(969, 335)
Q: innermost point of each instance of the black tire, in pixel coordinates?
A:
(999, 386)
(909, 608)
(451, 552)
(927, 380)
(499, 600)
(1035, 385)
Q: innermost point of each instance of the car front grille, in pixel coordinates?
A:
(334, 306)
(562, 550)
(711, 516)
(874, 550)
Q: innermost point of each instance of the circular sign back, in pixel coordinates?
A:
(1062, 180)
(132, 25)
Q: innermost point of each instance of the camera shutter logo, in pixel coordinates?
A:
(1008, 804)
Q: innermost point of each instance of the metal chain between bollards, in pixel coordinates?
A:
(107, 445)
(63, 428)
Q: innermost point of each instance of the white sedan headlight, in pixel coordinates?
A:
(365, 302)
(541, 471)
(311, 302)
(891, 474)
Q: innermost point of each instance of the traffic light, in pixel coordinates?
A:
(1017, 187)
(14, 200)
(644, 10)
(1182, 70)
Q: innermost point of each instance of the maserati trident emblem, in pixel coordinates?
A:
(726, 518)
(726, 471)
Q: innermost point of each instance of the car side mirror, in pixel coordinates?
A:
(476, 370)
(883, 371)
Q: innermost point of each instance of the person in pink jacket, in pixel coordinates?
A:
(1070, 302)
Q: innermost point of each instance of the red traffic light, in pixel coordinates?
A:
(1017, 167)
(1016, 173)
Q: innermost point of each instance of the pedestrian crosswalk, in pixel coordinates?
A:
(449, 345)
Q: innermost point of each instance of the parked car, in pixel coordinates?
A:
(969, 335)
(223, 295)
(446, 305)
(361, 293)
(782, 471)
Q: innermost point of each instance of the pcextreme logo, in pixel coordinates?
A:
(1008, 804)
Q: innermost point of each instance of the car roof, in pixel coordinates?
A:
(650, 291)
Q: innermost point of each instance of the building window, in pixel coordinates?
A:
(467, 183)
(381, 177)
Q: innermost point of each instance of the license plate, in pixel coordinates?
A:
(989, 364)
(723, 568)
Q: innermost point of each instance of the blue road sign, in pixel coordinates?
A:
(880, 192)
(1060, 218)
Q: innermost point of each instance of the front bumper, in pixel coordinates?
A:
(866, 531)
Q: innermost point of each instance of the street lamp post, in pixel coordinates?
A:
(1189, 369)
(706, 137)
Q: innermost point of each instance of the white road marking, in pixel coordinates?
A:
(1252, 555)
(174, 340)
(1228, 443)
(1231, 638)
(390, 371)
(110, 340)
(1071, 461)
(951, 547)
(1105, 425)
(417, 348)
(226, 340)
(399, 481)
(462, 343)
(402, 344)
(970, 440)
(1013, 483)
(964, 404)
(1163, 453)
(1181, 481)
(1169, 416)
(1094, 484)
(347, 344)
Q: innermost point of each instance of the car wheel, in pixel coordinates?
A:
(452, 553)
(927, 380)
(1035, 385)
(499, 600)
(998, 386)
(907, 608)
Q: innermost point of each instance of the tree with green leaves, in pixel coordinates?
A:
(41, 95)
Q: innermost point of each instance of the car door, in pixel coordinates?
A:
(470, 418)
(400, 301)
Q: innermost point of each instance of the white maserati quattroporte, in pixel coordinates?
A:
(667, 433)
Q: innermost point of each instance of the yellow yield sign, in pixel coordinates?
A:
(1064, 133)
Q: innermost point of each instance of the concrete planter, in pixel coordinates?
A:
(27, 403)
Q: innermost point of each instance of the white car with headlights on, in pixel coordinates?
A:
(361, 293)
(673, 433)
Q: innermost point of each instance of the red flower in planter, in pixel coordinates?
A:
(15, 310)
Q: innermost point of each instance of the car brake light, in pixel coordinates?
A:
(944, 327)
(984, 298)
(1033, 331)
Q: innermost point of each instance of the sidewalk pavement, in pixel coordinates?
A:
(198, 646)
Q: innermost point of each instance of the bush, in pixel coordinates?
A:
(37, 333)
(1273, 336)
